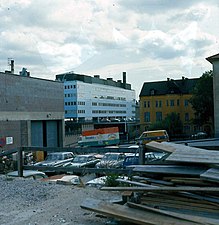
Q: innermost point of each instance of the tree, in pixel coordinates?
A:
(171, 123)
(202, 100)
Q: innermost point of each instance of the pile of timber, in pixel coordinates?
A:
(186, 191)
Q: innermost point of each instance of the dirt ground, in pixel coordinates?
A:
(34, 202)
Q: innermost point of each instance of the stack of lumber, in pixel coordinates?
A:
(183, 192)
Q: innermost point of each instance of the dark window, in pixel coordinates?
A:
(147, 117)
(171, 102)
(186, 116)
(177, 102)
(158, 116)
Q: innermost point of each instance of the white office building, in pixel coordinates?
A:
(94, 99)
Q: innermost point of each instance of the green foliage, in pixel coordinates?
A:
(171, 123)
(111, 180)
(202, 100)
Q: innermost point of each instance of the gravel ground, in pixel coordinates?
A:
(34, 202)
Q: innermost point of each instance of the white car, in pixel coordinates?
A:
(35, 174)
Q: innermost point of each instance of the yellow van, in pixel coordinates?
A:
(155, 135)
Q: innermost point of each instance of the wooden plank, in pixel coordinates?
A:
(211, 175)
(161, 147)
(171, 169)
(190, 181)
(194, 155)
(179, 200)
(185, 205)
(164, 189)
(131, 215)
(151, 180)
(134, 183)
(196, 219)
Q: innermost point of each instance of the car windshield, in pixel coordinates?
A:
(111, 157)
(52, 157)
(80, 159)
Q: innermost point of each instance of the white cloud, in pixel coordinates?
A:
(149, 39)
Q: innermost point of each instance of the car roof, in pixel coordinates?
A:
(27, 173)
(55, 153)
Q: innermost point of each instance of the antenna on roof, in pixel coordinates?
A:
(11, 64)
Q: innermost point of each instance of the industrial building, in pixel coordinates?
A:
(94, 99)
(31, 111)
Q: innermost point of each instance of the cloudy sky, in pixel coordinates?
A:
(149, 39)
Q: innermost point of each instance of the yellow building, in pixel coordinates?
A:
(158, 99)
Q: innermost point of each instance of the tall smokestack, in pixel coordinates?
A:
(12, 66)
(124, 77)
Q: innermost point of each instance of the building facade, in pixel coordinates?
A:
(158, 99)
(94, 99)
(214, 60)
(31, 112)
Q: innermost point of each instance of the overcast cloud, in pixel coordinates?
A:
(149, 39)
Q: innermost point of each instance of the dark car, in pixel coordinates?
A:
(111, 160)
(83, 161)
(56, 159)
(150, 158)
(200, 135)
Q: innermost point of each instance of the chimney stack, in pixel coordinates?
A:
(124, 77)
(12, 66)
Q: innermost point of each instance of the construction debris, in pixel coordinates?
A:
(186, 191)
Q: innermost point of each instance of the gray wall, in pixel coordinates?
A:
(216, 96)
(24, 100)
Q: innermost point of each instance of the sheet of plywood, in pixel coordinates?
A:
(194, 155)
(161, 147)
(211, 175)
(164, 189)
(131, 215)
(171, 169)
(196, 219)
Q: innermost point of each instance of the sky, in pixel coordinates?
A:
(151, 40)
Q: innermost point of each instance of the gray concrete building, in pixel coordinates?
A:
(31, 112)
(214, 60)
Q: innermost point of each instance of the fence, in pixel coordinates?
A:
(99, 150)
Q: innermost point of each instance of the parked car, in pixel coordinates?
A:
(111, 160)
(83, 161)
(115, 120)
(200, 135)
(155, 135)
(34, 174)
(150, 158)
(56, 159)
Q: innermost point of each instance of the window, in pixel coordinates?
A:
(158, 116)
(148, 104)
(145, 104)
(167, 102)
(186, 116)
(172, 102)
(177, 102)
(147, 117)
(152, 92)
(156, 104)
(186, 102)
(160, 103)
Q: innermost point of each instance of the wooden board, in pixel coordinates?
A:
(164, 189)
(194, 155)
(211, 175)
(196, 219)
(131, 215)
(171, 169)
(154, 181)
(161, 147)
